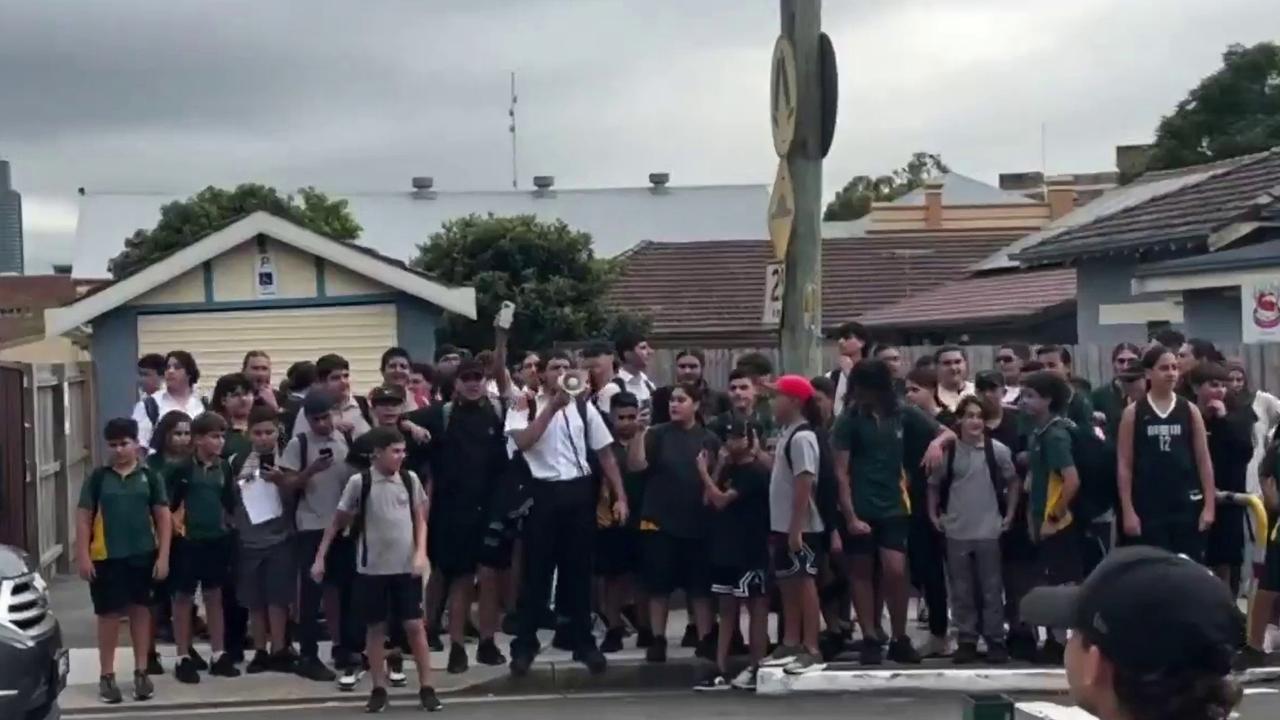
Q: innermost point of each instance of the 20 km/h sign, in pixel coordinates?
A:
(782, 211)
(782, 95)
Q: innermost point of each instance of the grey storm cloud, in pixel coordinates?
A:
(172, 95)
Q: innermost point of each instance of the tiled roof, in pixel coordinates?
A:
(1186, 216)
(395, 222)
(717, 288)
(981, 299)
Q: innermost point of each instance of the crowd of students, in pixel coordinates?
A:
(572, 490)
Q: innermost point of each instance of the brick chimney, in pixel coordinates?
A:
(1061, 195)
(933, 204)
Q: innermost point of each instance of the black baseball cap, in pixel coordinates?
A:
(387, 395)
(988, 380)
(318, 402)
(1148, 611)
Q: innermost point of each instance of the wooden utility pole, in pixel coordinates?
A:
(801, 331)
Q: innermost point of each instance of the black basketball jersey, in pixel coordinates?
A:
(1165, 477)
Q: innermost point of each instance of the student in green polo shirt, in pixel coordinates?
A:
(233, 399)
(122, 547)
(870, 440)
(1052, 484)
(170, 450)
(202, 501)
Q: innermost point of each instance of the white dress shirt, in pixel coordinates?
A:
(167, 404)
(561, 453)
(950, 400)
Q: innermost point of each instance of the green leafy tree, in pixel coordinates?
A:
(186, 221)
(855, 198)
(546, 268)
(1235, 111)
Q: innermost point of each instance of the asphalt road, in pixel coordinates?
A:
(684, 705)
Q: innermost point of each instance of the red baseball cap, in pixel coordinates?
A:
(794, 386)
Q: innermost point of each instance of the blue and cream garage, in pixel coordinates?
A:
(260, 283)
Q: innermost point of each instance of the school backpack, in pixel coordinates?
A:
(993, 470)
(152, 408)
(358, 522)
(363, 403)
(826, 495)
(1095, 461)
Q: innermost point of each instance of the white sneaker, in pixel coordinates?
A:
(804, 663)
(746, 680)
(782, 655)
(349, 678)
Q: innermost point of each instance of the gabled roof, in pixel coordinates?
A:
(396, 222)
(1151, 185)
(1183, 217)
(960, 189)
(981, 299)
(364, 261)
(705, 290)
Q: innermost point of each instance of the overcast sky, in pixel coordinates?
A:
(363, 94)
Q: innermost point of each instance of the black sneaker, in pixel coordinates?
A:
(259, 663)
(521, 661)
(966, 654)
(871, 653)
(612, 642)
(487, 653)
(657, 651)
(143, 689)
(902, 651)
(283, 661)
(377, 701)
(644, 637)
(108, 691)
(427, 699)
(997, 653)
(185, 671)
(690, 639)
(224, 666)
(1052, 652)
(433, 641)
(312, 668)
(457, 659)
(153, 664)
(201, 665)
(714, 683)
(592, 658)
(707, 648)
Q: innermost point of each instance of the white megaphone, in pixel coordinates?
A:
(573, 384)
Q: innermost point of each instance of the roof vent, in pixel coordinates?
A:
(659, 179)
(544, 182)
(423, 182)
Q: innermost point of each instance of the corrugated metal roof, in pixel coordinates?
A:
(960, 189)
(396, 222)
(717, 288)
(1147, 187)
(1002, 296)
(1188, 214)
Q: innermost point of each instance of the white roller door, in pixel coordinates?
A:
(219, 340)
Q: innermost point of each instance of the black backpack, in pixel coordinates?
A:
(826, 491)
(1095, 461)
(358, 522)
(993, 469)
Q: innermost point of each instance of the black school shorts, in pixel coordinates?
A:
(617, 552)
(267, 577)
(738, 583)
(1179, 535)
(204, 564)
(388, 598)
(454, 540)
(889, 533)
(671, 563)
(120, 583)
(787, 564)
(1059, 560)
(1224, 544)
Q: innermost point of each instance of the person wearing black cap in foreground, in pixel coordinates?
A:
(1152, 637)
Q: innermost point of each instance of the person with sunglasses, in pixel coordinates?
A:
(1111, 399)
(1009, 359)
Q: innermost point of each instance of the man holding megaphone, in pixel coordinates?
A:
(557, 441)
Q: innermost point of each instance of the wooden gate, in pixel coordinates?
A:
(13, 455)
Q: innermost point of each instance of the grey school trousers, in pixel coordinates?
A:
(976, 578)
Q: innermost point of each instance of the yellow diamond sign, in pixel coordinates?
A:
(782, 211)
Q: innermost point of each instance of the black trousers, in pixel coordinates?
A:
(926, 558)
(559, 539)
(340, 571)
